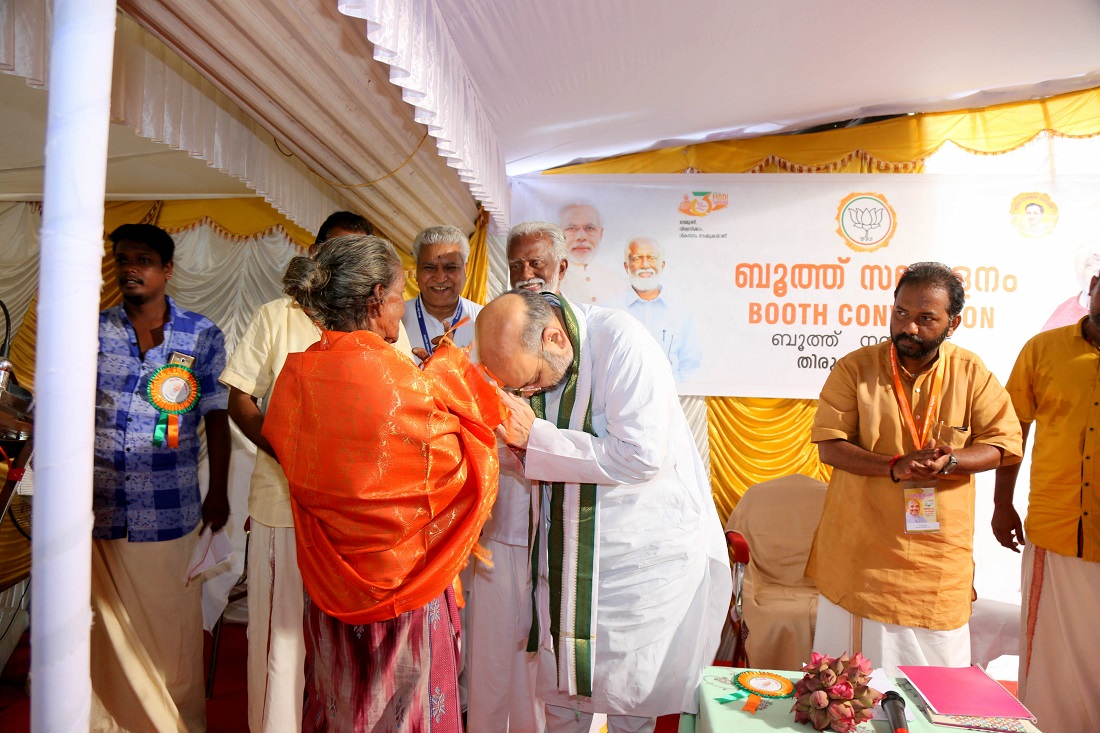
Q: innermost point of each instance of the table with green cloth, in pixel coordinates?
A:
(774, 714)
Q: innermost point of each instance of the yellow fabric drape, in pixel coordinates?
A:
(15, 549)
(753, 440)
(477, 274)
(898, 145)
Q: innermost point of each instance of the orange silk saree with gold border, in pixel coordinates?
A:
(392, 470)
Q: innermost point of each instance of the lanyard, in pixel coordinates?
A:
(918, 432)
(428, 346)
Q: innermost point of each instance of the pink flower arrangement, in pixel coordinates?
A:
(833, 693)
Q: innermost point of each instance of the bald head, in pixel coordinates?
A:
(500, 329)
(521, 341)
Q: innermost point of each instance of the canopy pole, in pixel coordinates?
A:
(81, 57)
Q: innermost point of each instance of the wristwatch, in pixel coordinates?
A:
(951, 465)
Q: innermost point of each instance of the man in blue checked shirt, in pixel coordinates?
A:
(158, 380)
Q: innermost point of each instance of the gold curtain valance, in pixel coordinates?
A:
(899, 145)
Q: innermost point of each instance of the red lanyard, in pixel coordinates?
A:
(919, 432)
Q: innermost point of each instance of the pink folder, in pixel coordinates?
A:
(964, 691)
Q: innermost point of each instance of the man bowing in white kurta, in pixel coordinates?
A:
(633, 577)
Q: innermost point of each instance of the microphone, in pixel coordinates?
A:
(893, 705)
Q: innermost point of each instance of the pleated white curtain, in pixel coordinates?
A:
(412, 38)
(163, 99)
(224, 278)
(228, 279)
(24, 40)
(20, 224)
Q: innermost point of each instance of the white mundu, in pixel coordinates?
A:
(663, 582)
(500, 674)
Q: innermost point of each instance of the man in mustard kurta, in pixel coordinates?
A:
(1056, 384)
(912, 418)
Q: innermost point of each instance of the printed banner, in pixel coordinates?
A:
(755, 285)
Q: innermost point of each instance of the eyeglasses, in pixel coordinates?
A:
(532, 387)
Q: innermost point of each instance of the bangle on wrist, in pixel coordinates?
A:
(894, 460)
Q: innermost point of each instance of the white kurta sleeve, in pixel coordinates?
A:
(634, 392)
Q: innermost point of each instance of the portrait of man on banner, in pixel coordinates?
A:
(648, 299)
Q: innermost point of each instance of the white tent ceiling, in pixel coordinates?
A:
(544, 84)
(136, 168)
(576, 79)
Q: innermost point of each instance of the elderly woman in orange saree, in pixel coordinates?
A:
(392, 473)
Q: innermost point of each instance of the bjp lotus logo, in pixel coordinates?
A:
(867, 221)
(701, 203)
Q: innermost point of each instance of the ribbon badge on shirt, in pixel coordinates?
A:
(173, 390)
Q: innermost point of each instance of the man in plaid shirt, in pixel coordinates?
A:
(158, 370)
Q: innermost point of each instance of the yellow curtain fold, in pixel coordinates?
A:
(757, 439)
(477, 274)
(238, 218)
(899, 145)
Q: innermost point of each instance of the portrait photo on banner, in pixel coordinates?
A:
(755, 285)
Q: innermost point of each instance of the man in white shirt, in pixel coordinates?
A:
(588, 281)
(627, 543)
(500, 673)
(648, 301)
(442, 255)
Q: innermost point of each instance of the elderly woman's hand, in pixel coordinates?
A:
(516, 428)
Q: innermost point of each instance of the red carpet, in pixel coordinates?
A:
(226, 712)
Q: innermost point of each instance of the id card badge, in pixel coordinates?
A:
(921, 508)
(178, 357)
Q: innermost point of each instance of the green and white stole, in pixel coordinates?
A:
(573, 536)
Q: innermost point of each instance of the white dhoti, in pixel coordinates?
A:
(1059, 667)
(146, 639)
(500, 672)
(888, 645)
(276, 642)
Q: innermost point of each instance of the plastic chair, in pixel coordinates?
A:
(737, 631)
(778, 604)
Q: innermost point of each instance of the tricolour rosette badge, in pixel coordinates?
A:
(173, 390)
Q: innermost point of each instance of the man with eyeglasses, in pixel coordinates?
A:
(648, 301)
(633, 579)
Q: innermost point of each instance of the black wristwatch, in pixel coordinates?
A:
(951, 465)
